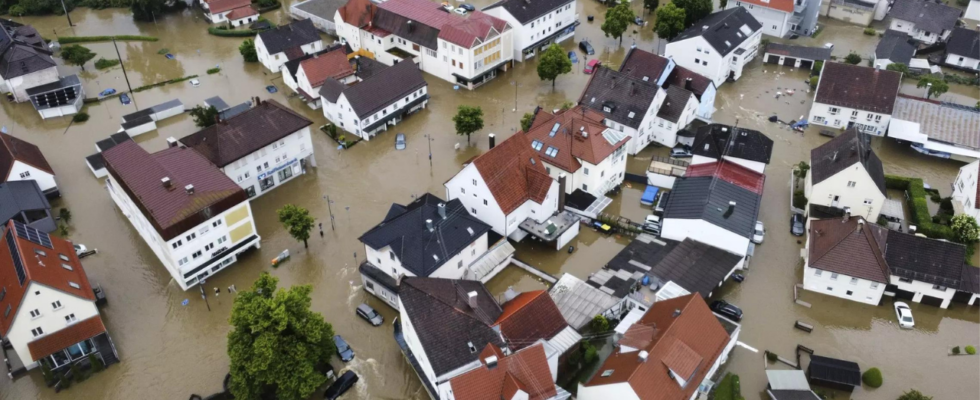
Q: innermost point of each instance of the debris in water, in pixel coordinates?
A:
(185, 302)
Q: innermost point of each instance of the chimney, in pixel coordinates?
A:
(731, 205)
(860, 225)
(911, 229)
(561, 192)
(493, 140)
(442, 210)
(632, 88)
(689, 84)
(677, 312)
(471, 298)
(166, 183)
(491, 362)
(189, 189)
(171, 142)
(614, 82)
(643, 356)
(429, 226)
(847, 213)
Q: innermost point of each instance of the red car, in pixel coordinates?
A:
(591, 66)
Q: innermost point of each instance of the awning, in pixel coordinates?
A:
(74, 333)
(906, 130)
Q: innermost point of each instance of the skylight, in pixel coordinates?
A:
(551, 152)
(745, 29)
(607, 372)
(536, 145)
(554, 129)
(631, 114)
(646, 78)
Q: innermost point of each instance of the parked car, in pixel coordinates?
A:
(343, 349)
(652, 218)
(586, 47)
(447, 6)
(400, 141)
(796, 225)
(370, 315)
(79, 249)
(759, 233)
(662, 203)
(681, 152)
(124, 98)
(639, 21)
(195, 82)
(341, 385)
(467, 7)
(460, 11)
(904, 314)
(727, 310)
(107, 92)
(652, 228)
(573, 57)
(591, 66)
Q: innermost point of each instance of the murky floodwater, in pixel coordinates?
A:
(169, 351)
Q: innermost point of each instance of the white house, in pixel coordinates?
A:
(926, 21)
(719, 45)
(894, 47)
(50, 317)
(305, 75)
(195, 219)
(930, 271)
(782, 18)
(857, 12)
(647, 66)
(965, 190)
(287, 42)
(466, 50)
(59, 98)
(855, 96)
(25, 60)
(846, 259)
(509, 189)
(260, 149)
(22, 161)
(972, 13)
(234, 12)
(846, 174)
(537, 24)
(746, 147)
(367, 108)
(963, 48)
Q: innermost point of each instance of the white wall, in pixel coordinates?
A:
(851, 14)
(862, 291)
(19, 85)
(454, 268)
(534, 31)
(23, 172)
(686, 53)
(923, 288)
(50, 320)
(461, 187)
(965, 188)
(273, 158)
(706, 106)
(273, 62)
(618, 391)
(705, 232)
(825, 114)
(916, 33)
(596, 180)
(343, 116)
(412, 339)
(856, 197)
(774, 22)
(963, 61)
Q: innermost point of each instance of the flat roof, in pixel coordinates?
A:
(945, 122)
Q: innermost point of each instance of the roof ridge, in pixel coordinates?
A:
(664, 332)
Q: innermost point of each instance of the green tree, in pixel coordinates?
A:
(567, 106)
(872, 377)
(204, 116)
(853, 58)
(651, 5)
(297, 221)
(670, 21)
(146, 10)
(554, 62)
(247, 49)
(965, 228)
(722, 4)
(65, 214)
(277, 343)
(898, 67)
(618, 19)
(801, 169)
(526, 121)
(17, 10)
(937, 88)
(77, 55)
(914, 395)
(694, 10)
(599, 324)
(468, 120)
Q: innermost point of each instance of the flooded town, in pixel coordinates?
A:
(462, 262)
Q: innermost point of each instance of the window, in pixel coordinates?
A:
(834, 110)
(37, 331)
(704, 63)
(208, 246)
(216, 223)
(551, 152)
(459, 264)
(850, 292)
(867, 202)
(817, 272)
(196, 254)
(74, 285)
(833, 276)
(830, 289)
(854, 114)
(939, 288)
(485, 202)
(3, 293)
(462, 190)
(56, 305)
(697, 60)
(25, 174)
(854, 281)
(906, 280)
(877, 118)
(585, 187)
(35, 313)
(586, 170)
(391, 255)
(182, 261)
(474, 182)
(536, 145)
(851, 184)
(473, 211)
(40, 253)
(70, 318)
(874, 285)
(221, 240)
(63, 257)
(66, 266)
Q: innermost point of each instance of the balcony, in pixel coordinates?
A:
(799, 6)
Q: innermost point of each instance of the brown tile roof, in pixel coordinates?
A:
(572, 145)
(849, 248)
(680, 75)
(172, 211)
(682, 359)
(220, 6)
(358, 13)
(463, 30)
(526, 370)
(242, 12)
(529, 317)
(644, 65)
(74, 333)
(46, 270)
(294, 52)
(862, 88)
(729, 172)
(333, 64)
(782, 5)
(13, 149)
(514, 174)
(696, 328)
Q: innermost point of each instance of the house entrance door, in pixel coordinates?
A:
(835, 202)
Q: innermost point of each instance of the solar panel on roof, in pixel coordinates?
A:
(18, 265)
(33, 235)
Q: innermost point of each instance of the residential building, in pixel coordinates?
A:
(509, 189)
(25, 60)
(521, 375)
(692, 210)
(894, 47)
(647, 66)
(385, 98)
(59, 98)
(50, 317)
(790, 384)
(23, 201)
(795, 56)
(846, 259)
(965, 192)
(782, 18)
(846, 174)
(929, 271)
(235, 12)
(963, 48)
(314, 70)
(260, 149)
(536, 24)
(746, 147)
(925, 21)
(972, 12)
(287, 42)
(667, 354)
(855, 96)
(719, 45)
(466, 50)
(22, 161)
(857, 12)
(321, 12)
(196, 220)
(939, 129)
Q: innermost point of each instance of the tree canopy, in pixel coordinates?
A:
(965, 228)
(939, 86)
(77, 55)
(146, 10)
(468, 120)
(297, 221)
(204, 116)
(526, 121)
(670, 21)
(618, 19)
(898, 67)
(651, 5)
(554, 62)
(247, 49)
(914, 395)
(694, 10)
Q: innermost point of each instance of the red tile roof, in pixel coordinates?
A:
(358, 13)
(849, 248)
(46, 270)
(572, 145)
(695, 329)
(855, 86)
(294, 52)
(220, 6)
(781, 5)
(529, 317)
(13, 149)
(242, 12)
(729, 172)
(462, 30)
(512, 176)
(525, 370)
(74, 333)
(333, 64)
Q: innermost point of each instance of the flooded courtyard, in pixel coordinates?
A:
(170, 351)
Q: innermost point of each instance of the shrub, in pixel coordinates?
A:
(817, 67)
(914, 395)
(589, 352)
(872, 377)
(799, 199)
(772, 357)
(96, 362)
(971, 350)
(918, 207)
(728, 388)
(76, 373)
(163, 51)
(813, 81)
(853, 58)
(870, 31)
(151, 86)
(103, 63)
(956, 350)
(80, 117)
(599, 324)
(214, 70)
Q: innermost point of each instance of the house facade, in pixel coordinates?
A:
(288, 42)
(746, 147)
(963, 48)
(965, 190)
(855, 96)
(846, 174)
(925, 21)
(845, 258)
(857, 12)
(647, 66)
(781, 18)
(536, 24)
(195, 219)
(23, 161)
(25, 60)
(719, 46)
(632, 106)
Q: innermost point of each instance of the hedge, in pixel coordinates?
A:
(232, 33)
(88, 39)
(151, 86)
(728, 388)
(919, 208)
(103, 63)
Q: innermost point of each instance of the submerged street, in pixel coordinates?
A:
(169, 351)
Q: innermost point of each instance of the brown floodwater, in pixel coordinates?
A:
(169, 351)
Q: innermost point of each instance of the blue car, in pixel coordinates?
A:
(343, 349)
(572, 56)
(107, 92)
(124, 98)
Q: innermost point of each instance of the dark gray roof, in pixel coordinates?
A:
(61, 83)
(793, 395)
(964, 42)
(707, 198)
(526, 10)
(365, 67)
(416, 31)
(217, 102)
(970, 282)
(673, 105)
(369, 270)
(843, 151)
(695, 266)
(834, 370)
(804, 52)
(927, 15)
(17, 196)
(621, 94)
(711, 141)
(445, 323)
(895, 46)
(384, 88)
(928, 260)
(321, 8)
(288, 36)
(721, 27)
(420, 251)
(22, 51)
(331, 89)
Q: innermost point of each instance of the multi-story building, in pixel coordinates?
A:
(23, 161)
(537, 24)
(782, 18)
(313, 70)
(926, 21)
(855, 96)
(23, 201)
(963, 48)
(846, 174)
(288, 42)
(260, 149)
(746, 147)
(25, 60)
(965, 190)
(645, 66)
(719, 45)
(195, 219)
(857, 12)
(382, 99)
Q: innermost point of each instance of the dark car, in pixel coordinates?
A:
(341, 385)
(124, 98)
(467, 7)
(370, 315)
(343, 349)
(727, 309)
(796, 225)
(586, 47)
(652, 228)
(639, 21)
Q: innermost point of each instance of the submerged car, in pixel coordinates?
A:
(904, 314)
(727, 310)
(341, 385)
(370, 315)
(591, 66)
(796, 225)
(400, 141)
(586, 47)
(460, 11)
(759, 233)
(467, 7)
(573, 57)
(343, 349)
(124, 98)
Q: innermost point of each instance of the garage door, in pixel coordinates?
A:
(806, 64)
(932, 301)
(963, 297)
(899, 293)
(773, 59)
(789, 61)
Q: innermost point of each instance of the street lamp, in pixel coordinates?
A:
(429, 140)
(330, 210)
(516, 85)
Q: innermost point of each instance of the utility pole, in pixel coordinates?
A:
(204, 295)
(330, 210)
(428, 140)
(123, 65)
(66, 13)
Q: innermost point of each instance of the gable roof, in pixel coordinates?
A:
(295, 34)
(220, 6)
(964, 42)
(688, 342)
(513, 173)
(383, 88)
(291, 66)
(781, 5)
(715, 140)
(321, 8)
(928, 260)
(948, 123)
(673, 106)
(332, 64)
(358, 13)
(17, 196)
(796, 51)
(578, 134)
(13, 149)
(526, 11)
(708, 198)
(695, 266)
(22, 50)
(926, 15)
(59, 340)
(436, 23)
(445, 323)
(529, 317)
(858, 87)
(853, 248)
(729, 172)
(679, 76)
(419, 250)
(896, 47)
(642, 64)
(834, 370)
(526, 370)
(242, 12)
(621, 94)
(724, 30)
(843, 151)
